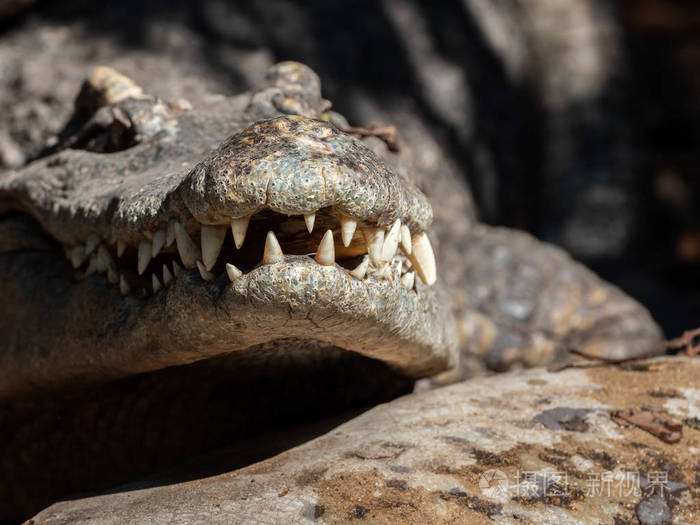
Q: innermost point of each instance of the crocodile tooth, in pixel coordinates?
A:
(121, 246)
(391, 241)
(347, 230)
(396, 266)
(310, 219)
(325, 254)
(189, 253)
(233, 272)
(206, 274)
(91, 244)
(167, 276)
(406, 239)
(177, 269)
(158, 242)
(124, 287)
(382, 272)
(170, 233)
(156, 283)
(361, 269)
(212, 241)
(239, 227)
(408, 279)
(423, 259)
(103, 259)
(374, 238)
(112, 275)
(145, 250)
(77, 256)
(273, 251)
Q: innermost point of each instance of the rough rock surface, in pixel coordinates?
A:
(527, 447)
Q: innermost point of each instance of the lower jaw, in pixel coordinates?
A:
(88, 333)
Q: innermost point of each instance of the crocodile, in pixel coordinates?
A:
(184, 275)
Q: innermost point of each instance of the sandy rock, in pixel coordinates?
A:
(528, 447)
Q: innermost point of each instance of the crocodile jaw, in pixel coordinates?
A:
(87, 327)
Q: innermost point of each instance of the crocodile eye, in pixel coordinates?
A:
(112, 114)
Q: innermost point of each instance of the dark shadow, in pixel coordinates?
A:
(247, 405)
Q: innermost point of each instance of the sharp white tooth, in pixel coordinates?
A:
(112, 275)
(273, 251)
(103, 259)
(391, 241)
(406, 239)
(374, 239)
(77, 256)
(423, 259)
(212, 241)
(145, 250)
(310, 219)
(124, 287)
(91, 244)
(189, 253)
(170, 233)
(233, 272)
(325, 254)
(121, 246)
(177, 269)
(167, 276)
(347, 230)
(156, 283)
(408, 279)
(158, 242)
(239, 227)
(361, 269)
(206, 275)
(381, 273)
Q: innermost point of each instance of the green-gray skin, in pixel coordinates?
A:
(100, 386)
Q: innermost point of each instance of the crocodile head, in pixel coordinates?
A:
(190, 245)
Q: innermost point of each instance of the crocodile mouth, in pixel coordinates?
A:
(289, 231)
(361, 250)
(284, 187)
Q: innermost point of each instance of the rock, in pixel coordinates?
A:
(499, 449)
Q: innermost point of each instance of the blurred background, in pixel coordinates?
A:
(576, 120)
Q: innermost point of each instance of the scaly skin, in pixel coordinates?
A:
(109, 374)
(289, 166)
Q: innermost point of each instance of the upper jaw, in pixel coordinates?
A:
(295, 165)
